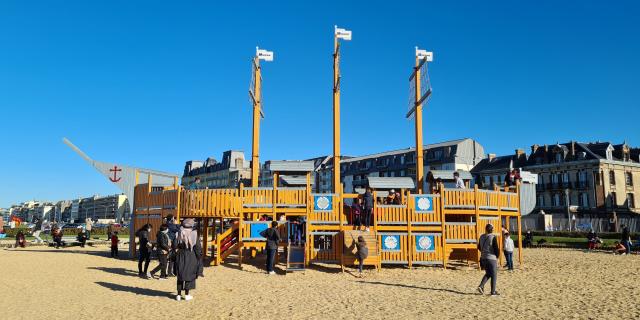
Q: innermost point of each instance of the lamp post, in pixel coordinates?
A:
(566, 194)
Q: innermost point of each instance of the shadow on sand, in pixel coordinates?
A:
(135, 290)
(416, 287)
(118, 271)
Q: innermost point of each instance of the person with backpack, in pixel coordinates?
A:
(273, 238)
(489, 253)
(188, 252)
(362, 252)
(144, 251)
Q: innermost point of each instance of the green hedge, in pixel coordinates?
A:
(577, 234)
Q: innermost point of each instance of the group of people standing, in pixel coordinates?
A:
(179, 253)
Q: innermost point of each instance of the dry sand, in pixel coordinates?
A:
(86, 284)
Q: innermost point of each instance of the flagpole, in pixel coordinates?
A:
(336, 116)
(257, 107)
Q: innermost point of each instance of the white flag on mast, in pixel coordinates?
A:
(264, 54)
(342, 33)
(422, 54)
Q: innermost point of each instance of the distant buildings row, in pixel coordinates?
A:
(597, 178)
(108, 208)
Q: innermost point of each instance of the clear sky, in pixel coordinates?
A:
(156, 83)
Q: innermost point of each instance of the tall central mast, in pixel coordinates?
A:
(339, 33)
(255, 94)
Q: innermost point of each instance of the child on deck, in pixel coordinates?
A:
(619, 249)
(114, 244)
(508, 247)
(356, 210)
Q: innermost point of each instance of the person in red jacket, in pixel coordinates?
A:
(114, 244)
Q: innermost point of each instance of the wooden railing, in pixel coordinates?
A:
(210, 203)
(293, 197)
(460, 232)
(459, 199)
(390, 214)
(257, 197)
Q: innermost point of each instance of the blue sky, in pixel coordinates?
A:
(155, 83)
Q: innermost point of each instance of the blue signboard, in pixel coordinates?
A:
(425, 243)
(322, 203)
(256, 228)
(424, 204)
(390, 243)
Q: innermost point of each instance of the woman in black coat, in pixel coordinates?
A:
(144, 251)
(188, 253)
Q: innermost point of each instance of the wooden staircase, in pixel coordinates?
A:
(349, 250)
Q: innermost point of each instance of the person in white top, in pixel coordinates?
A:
(507, 247)
(459, 182)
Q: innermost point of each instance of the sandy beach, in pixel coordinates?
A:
(85, 283)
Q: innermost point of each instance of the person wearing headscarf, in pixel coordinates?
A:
(188, 252)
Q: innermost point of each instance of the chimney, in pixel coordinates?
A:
(534, 148)
(546, 148)
(519, 152)
(491, 157)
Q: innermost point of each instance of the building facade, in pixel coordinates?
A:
(111, 208)
(596, 178)
(229, 173)
(456, 155)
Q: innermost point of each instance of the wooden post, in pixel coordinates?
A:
(205, 237)
(477, 212)
(520, 263)
(257, 115)
(412, 245)
(443, 217)
(418, 127)
(274, 196)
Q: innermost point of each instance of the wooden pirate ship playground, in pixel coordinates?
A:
(424, 229)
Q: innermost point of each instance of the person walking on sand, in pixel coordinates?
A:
(489, 253)
(162, 249)
(188, 252)
(37, 229)
(88, 227)
(508, 248)
(144, 251)
(273, 238)
(626, 239)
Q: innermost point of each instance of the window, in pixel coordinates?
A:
(584, 200)
(630, 201)
(540, 179)
(558, 157)
(487, 181)
(554, 178)
(540, 201)
(323, 242)
(402, 159)
(556, 200)
(628, 179)
(437, 154)
(612, 177)
(402, 173)
(614, 200)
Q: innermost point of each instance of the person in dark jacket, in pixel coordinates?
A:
(82, 238)
(162, 250)
(489, 253)
(188, 252)
(367, 205)
(362, 252)
(174, 228)
(144, 251)
(591, 239)
(626, 239)
(273, 238)
(356, 212)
